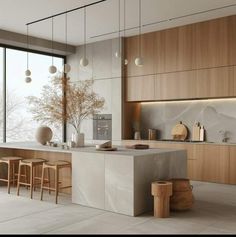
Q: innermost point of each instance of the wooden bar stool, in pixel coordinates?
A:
(11, 162)
(32, 164)
(56, 166)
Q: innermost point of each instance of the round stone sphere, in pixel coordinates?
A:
(43, 135)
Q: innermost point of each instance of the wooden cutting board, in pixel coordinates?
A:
(179, 132)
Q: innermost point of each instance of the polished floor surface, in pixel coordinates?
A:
(214, 212)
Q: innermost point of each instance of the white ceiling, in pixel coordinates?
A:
(103, 18)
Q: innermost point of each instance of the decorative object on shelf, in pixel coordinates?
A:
(84, 61)
(52, 69)
(161, 190)
(152, 134)
(118, 52)
(139, 59)
(43, 135)
(28, 78)
(196, 132)
(81, 103)
(78, 139)
(66, 67)
(179, 132)
(202, 134)
(137, 135)
(182, 198)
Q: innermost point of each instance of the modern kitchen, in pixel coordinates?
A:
(124, 119)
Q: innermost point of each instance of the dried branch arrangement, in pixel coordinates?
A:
(77, 103)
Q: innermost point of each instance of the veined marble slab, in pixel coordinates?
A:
(121, 183)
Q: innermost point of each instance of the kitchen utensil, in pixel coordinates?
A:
(179, 132)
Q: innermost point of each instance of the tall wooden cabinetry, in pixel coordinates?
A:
(187, 62)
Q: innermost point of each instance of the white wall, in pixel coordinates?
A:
(106, 71)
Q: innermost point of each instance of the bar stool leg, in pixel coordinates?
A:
(49, 182)
(18, 181)
(56, 183)
(9, 177)
(31, 181)
(42, 184)
(13, 170)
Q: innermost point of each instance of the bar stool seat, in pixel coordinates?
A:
(11, 162)
(56, 166)
(32, 164)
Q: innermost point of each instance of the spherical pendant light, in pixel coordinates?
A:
(126, 62)
(84, 62)
(66, 68)
(139, 62)
(52, 69)
(28, 79)
(27, 73)
(117, 54)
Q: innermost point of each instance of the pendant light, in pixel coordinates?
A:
(27, 72)
(139, 59)
(118, 52)
(126, 60)
(84, 61)
(52, 69)
(66, 67)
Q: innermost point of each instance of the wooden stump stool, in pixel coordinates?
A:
(161, 190)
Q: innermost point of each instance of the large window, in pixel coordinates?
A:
(20, 125)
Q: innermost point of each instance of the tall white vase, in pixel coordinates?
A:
(79, 139)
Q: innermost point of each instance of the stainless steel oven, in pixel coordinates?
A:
(102, 127)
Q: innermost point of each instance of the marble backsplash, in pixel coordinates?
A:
(214, 115)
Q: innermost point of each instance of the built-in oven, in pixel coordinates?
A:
(102, 127)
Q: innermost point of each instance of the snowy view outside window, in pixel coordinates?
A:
(19, 123)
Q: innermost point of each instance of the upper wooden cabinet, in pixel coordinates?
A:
(147, 52)
(197, 46)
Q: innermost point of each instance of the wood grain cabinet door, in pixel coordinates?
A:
(232, 165)
(213, 164)
(140, 88)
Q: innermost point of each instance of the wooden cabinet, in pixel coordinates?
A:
(213, 163)
(206, 162)
(232, 165)
(140, 88)
(193, 61)
(215, 82)
(147, 52)
(179, 85)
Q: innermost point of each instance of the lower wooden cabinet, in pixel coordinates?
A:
(206, 162)
(232, 165)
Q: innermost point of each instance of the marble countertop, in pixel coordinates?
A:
(187, 142)
(88, 148)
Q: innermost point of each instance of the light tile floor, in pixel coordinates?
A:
(214, 212)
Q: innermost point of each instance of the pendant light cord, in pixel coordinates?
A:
(124, 18)
(52, 41)
(119, 26)
(27, 40)
(66, 33)
(85, 32)
(140, 37)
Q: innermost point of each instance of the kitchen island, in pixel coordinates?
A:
(117, 181)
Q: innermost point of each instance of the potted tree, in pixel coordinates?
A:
(64, 101)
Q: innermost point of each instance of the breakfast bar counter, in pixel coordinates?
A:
(117, 181)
